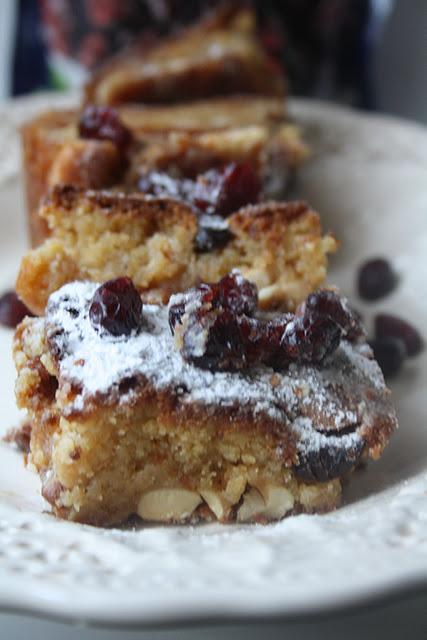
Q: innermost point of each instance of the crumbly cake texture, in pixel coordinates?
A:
(186, 139)
(97, 236)
(214, 57)
(125, 426)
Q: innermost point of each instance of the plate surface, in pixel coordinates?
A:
(368, 178)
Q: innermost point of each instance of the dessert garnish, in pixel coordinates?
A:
(376, 278)
(390, 354)
(223, 191)
(395, 340)
(116, 307)
(390, 326)
(219, 191)
(103, 123)
(216, 327)
(212, 233)
(12, 310)
(214, 195)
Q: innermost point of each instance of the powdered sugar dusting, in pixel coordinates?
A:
(314, 402)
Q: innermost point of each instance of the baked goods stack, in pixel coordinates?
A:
(185, 365)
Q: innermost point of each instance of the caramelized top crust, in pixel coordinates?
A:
(67, 199)
(255, 219)
(215, 57)
(342, 407)
(252, 220)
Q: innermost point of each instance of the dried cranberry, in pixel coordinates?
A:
(237, 294)
(388, 326)
(208, 239)
(217, 192)
(215, 342)
(103, 123)
(116, 307)
(219, 330)
(329, 305)
(376, 279)
(214, 194)
(263, 342)
(310, 338)
(390, 354)
(212, 233)
(12, 310)
(222, 191)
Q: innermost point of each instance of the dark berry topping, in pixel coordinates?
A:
(237, 294)
(390, 354)
(223, 191)
(388, 326)
(103, 123)
(12, 310)
(214, 195)
(328, 304)
(218, 328)
(232, 292)
(376, 279)
(116, 307)
(310, 338)
(215, 341)
(217, 192)
(212, 233)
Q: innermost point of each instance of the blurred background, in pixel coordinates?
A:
(371, 54)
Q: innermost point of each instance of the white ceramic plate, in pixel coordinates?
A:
(368, 177)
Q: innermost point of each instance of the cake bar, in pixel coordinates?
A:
(124, 424)
(100, 235)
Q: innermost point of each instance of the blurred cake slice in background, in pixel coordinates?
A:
(218, 56)
(60, 147)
